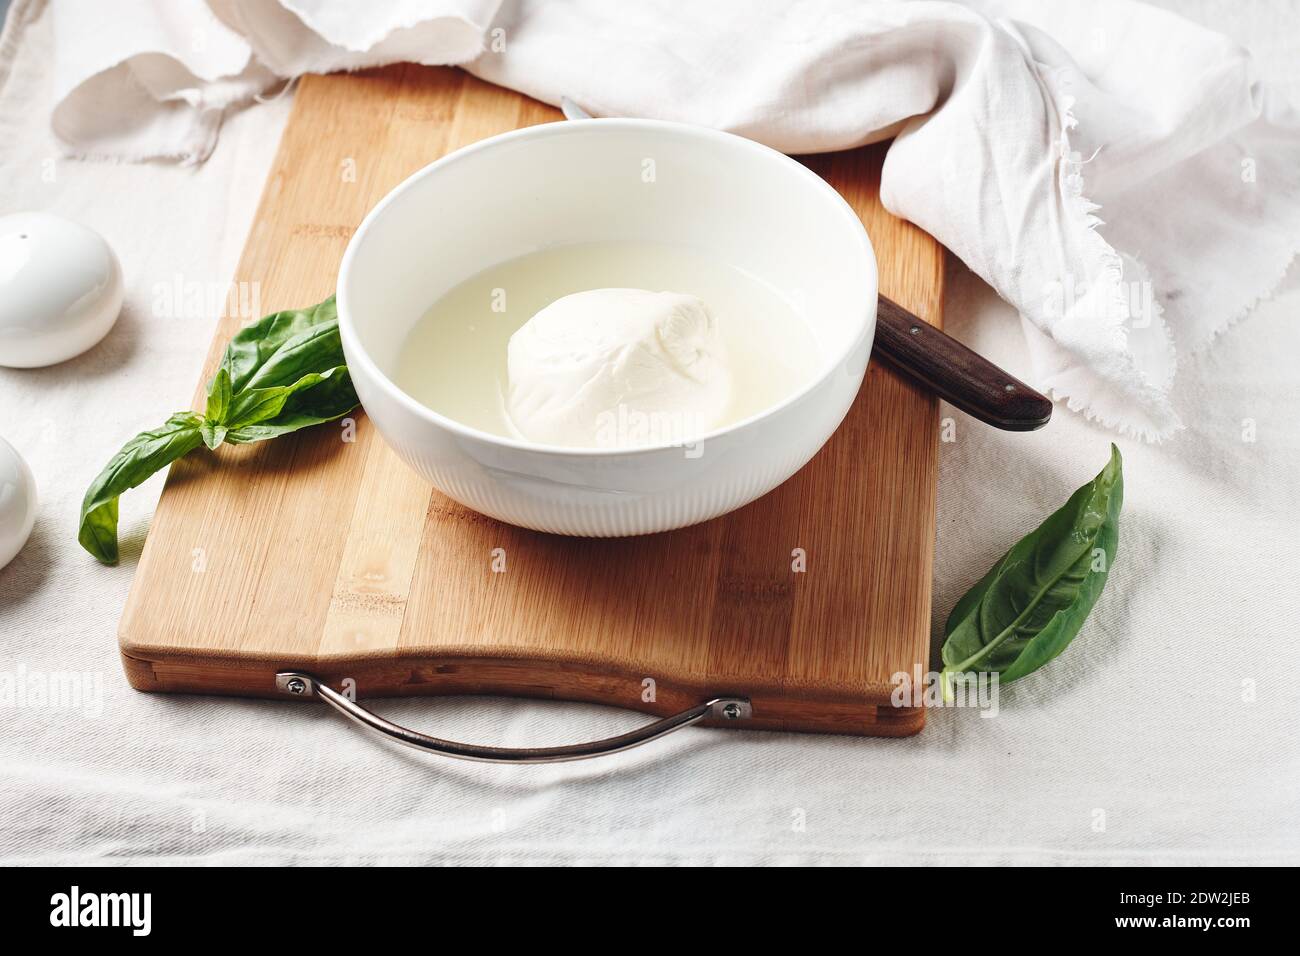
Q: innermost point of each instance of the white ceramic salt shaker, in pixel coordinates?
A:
(17, 502)
(60, 289)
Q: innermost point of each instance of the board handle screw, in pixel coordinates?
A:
(295, 685)
(731, 711)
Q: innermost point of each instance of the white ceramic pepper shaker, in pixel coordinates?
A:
(60, 289)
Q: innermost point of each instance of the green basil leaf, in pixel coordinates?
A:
(220, 390)
(258, 405)
(971, 599)
(272, 351)
(255, 405)
(213, 430)
(1034, 601)
(312, 350)
(212, 435)
(332, 398)
(139, 458)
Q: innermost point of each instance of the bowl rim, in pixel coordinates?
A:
(352, 343)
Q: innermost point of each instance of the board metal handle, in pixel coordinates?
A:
(300, 684)
(954, 372)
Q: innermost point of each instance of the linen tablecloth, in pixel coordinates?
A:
(1164, 734)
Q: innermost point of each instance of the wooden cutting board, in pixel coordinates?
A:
(318, 553)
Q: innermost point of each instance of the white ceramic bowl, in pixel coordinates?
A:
(580, 182)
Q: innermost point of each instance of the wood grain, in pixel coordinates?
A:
(322, 551)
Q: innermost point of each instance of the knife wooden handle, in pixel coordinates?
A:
(955, 373)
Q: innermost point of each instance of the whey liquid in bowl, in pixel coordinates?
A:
(627, 344)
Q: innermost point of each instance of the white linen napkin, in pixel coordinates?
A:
(148, 79)
(1112, 170)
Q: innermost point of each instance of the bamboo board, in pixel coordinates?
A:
(329, 555)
